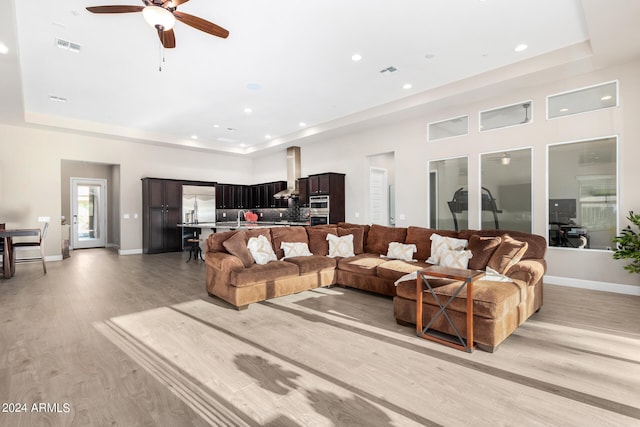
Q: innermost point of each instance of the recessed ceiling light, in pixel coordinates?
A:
(4, 49)
(248, 110)
(243, 145)
(254, 86)
(216, 126)
(302, 124)
(407, 86)
(606, 98)
(564, 110)
(194, 136)
(520, 48)
(356, 57)
(267, 136)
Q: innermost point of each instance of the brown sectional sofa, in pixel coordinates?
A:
(499, 307)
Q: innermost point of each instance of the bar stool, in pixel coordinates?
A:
(194, 248)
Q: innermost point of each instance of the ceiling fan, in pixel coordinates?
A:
(162, 15)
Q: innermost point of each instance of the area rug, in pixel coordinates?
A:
(314, 359)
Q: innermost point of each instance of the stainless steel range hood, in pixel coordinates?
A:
(293, 174)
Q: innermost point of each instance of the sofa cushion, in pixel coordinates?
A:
(401, 251)
(441, 245)
(455, 258)
(237, 245)
(255, 232)
(340, 246)
(318, 244)
(295, 249)
(215, 240)
(421, 237)
(358, 237)
(364, 264)
(365, 229)
(261, 250)
(395, 269)
(380, 236)
(287, 234)
(491, 300)
(313, 263)
(482, 249)
(257, 274)
(537, 244)
(508, 253)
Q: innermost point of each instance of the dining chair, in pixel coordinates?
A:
(32, 244)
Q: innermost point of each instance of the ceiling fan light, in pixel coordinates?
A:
(157, 16)
(505, 159)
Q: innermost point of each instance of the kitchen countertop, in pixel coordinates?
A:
(233, 225)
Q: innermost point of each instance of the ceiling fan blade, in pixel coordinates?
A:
(167, 38)
(201, 24)
(178, 2)
(115, 9)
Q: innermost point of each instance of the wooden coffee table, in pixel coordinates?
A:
(467, 277)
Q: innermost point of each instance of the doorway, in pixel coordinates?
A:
(379, 196)
(88, 213)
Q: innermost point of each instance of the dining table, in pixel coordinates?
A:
(8, 258)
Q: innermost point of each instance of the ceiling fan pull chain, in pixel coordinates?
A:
(160, 56)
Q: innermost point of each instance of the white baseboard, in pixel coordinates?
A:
(593, 285)
(129, 251)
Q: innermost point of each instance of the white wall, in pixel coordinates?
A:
(30, 171)
(347, 152)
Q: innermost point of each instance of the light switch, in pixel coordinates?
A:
(402, 217)
(357, 214)
(44, 219)
(135, 216)
(125, 216)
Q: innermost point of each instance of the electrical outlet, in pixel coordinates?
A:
(357, 214)
(402, 217)
(280, 214)
(224, 214)
(261, 214)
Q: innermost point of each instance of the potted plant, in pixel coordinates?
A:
(628, 245)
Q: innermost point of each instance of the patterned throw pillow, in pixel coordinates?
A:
(440, 245)
(293, 249)
(401, 251)
(261, 250)
(455, 258)
(340, 246)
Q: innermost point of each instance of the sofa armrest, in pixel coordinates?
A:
(529, 271)
(223, 261)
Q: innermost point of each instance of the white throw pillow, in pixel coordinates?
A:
(293, 249)
(455, 259)
(401, 251)
(441, 244)
(261, 250)
(340, 246)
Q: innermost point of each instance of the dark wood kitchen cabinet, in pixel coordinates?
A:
(303, 192)
(233, 196)
(330, 184)
(161, 211)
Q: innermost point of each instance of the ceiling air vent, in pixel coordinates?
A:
(67, 45)
(388, 70)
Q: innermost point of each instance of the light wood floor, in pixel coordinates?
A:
(112, 340)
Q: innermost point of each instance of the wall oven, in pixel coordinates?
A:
(318, 210)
